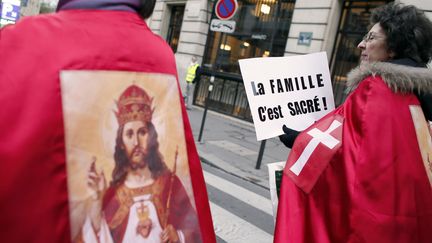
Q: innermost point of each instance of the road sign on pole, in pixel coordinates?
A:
(10, 9)
(225, 9)
(227, 26)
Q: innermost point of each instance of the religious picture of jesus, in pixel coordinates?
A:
(139, 190)
(424, 138)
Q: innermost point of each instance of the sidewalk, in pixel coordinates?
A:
(230, 144)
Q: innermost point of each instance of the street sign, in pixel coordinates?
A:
(225, 26)
(10, 10)
(225, 9)
(305, 38)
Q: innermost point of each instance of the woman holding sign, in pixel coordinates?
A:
(363, 173)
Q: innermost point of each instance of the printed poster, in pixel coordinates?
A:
(294, 91)
(424, 138)
(127, 165)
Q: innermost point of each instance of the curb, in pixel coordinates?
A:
(208, 162)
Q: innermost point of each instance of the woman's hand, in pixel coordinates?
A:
(289, 137)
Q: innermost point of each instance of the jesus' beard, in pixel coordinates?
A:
(140, 164)
(136, 166)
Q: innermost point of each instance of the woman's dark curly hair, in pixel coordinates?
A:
(408, 30)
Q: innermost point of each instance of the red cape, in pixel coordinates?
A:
(371, 187)
(33, 188)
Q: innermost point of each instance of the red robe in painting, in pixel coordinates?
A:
(180, 214)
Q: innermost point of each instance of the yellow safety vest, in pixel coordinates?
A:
(191, 71)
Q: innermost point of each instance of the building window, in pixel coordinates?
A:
(174, 27)
(262, 28)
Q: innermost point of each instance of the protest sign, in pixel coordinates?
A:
(292, 90)
(275, 179)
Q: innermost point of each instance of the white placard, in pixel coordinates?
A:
(294, 90)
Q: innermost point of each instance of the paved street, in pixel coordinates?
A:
(230, 144)
(238, 193)
(241, 210)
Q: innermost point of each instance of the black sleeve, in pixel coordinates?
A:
(197, 74)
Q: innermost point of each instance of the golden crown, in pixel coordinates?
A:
(134, 104)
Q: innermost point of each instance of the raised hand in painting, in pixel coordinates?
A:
(96, 180)
(169, 235)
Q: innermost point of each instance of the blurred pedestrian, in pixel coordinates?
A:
(191, 76)
(84, 36)
(363, 173)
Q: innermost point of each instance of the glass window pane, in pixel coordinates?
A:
(262, 28)
(174, 26)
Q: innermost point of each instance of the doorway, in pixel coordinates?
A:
(174, 26)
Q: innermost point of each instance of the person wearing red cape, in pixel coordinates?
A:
(83, 35)
(363, 172)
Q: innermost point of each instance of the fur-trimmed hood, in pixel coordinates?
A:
(399, 78)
